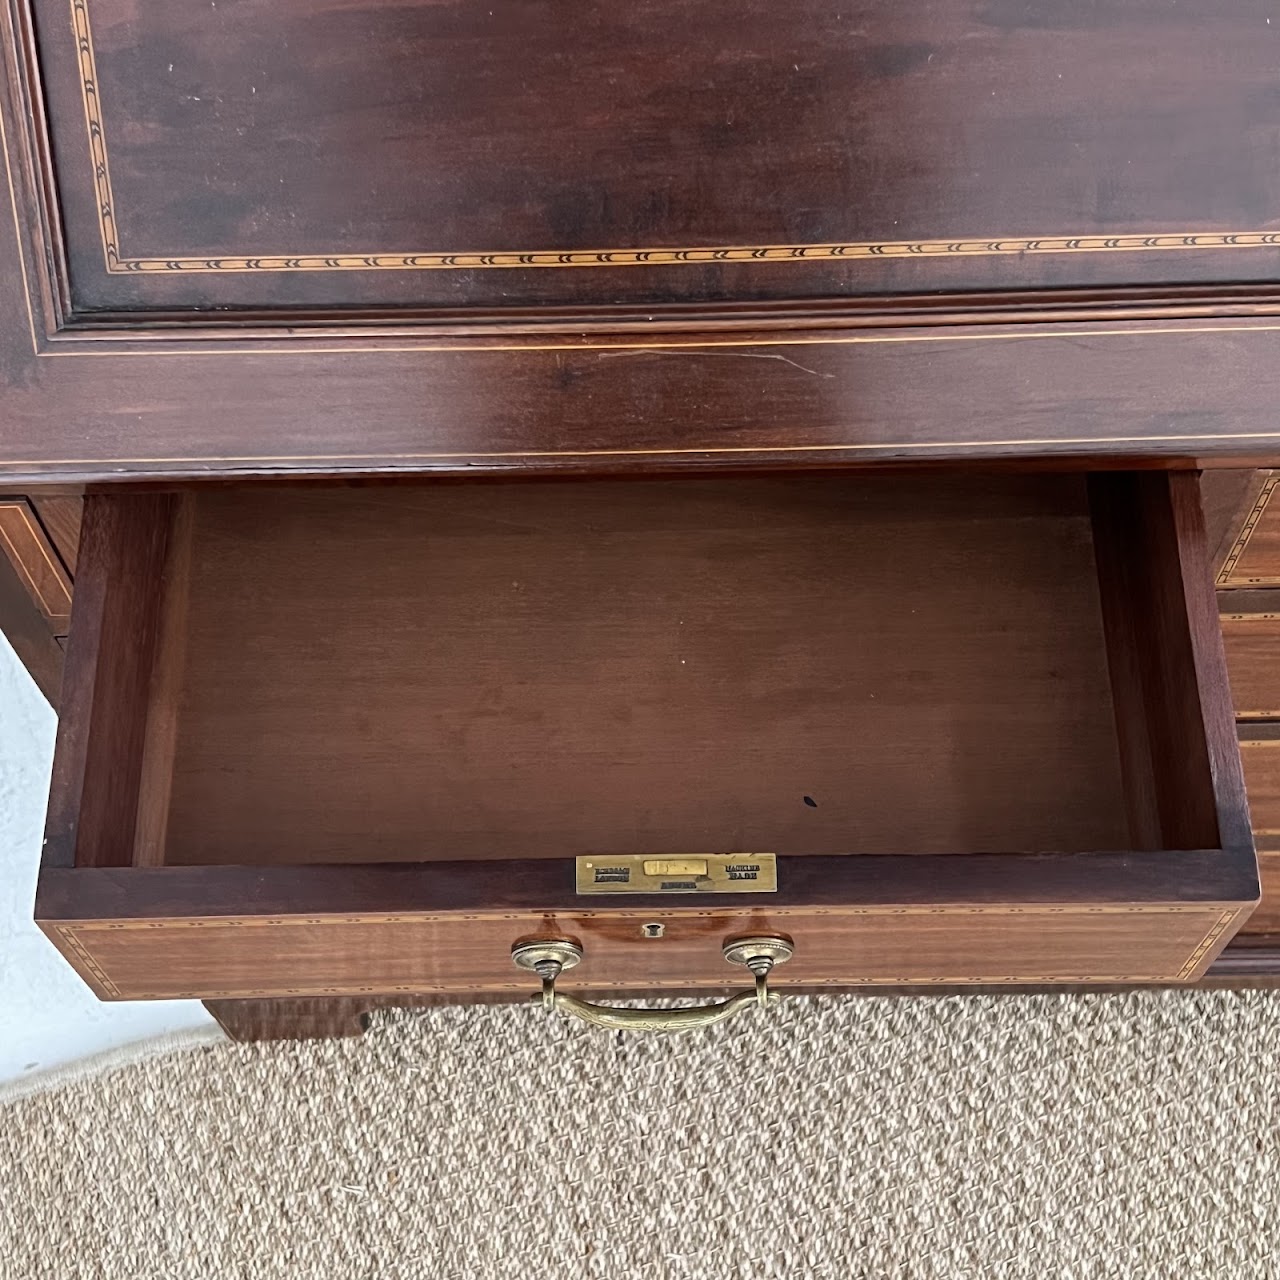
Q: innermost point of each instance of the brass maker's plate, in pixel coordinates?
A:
(679, 873)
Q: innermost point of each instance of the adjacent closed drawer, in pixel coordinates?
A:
(1260, 752)
(1252, 643)
(37, 563)
(1253, 559)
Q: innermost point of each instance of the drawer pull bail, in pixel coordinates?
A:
(549, 959)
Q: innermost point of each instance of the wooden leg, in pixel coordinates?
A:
(248, 1020)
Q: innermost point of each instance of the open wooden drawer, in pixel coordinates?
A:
(346, 739)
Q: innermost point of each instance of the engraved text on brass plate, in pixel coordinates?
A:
(678, 873)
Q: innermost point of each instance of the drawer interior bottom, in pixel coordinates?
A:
(801, 665)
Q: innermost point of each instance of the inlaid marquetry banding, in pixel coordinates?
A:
(1245, 714)
(28, 549)
(73, 947)
(120, 263)
(1241, 543)
(1221, 925)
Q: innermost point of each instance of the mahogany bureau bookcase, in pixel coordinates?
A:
(633, 498)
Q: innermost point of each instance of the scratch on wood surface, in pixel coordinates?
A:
(723, 355)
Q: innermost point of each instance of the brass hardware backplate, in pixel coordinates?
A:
(679, 873)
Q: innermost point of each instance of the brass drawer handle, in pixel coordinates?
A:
(549, 959)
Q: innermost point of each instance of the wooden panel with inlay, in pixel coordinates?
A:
(1252, 643)
(297, 931)
(374, 153)
(926, 946)
(1253, 556)
(363, 235)
(1260, 755)
(36, 561)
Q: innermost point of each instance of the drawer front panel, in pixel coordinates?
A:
(1253, 559)
(1252, 641)
(37, 564)
(1266, 917)
(1261, 758)
(890, 945)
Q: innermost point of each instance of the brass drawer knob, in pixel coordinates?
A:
(549, 959)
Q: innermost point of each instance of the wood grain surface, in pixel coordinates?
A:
(298, 931)
(27, 631)
(98, 760)
(60, 515)
(1228, 498)
(294, 957)
(801, 665)
(377, 154)
(35, 560)
(250, 1020)
(1175, 719)
(1138, 354)
(1251, 641)
(1253, 556)
(484, 680)
(1260, 755)
(1264, 922)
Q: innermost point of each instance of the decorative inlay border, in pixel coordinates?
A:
(70, 936)
(1240, 623)
(119, 263)
(1241, 543)
(1248, 745)
(1220, 927)
(75, 950)
(28, 549)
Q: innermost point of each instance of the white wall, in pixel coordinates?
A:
(48, 1017)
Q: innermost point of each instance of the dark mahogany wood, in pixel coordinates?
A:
(1228, 498)
(28, 631)
(294, 155)
(1252, 558)
(479, 680)
(338, 953)
(551, 669)
(1252, 957)
(1260, 755)
(98, 764)
(1173, 396)
(1169, 674)
(31, 553)
(61, 514)
(981, 231)
(1251, 632)
(707, 125)
(546, 884)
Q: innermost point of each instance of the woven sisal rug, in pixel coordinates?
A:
(1055, 1136)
